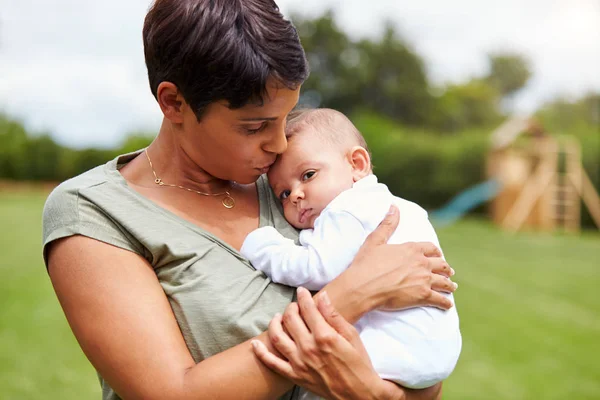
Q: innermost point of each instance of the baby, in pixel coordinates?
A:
(326, 186)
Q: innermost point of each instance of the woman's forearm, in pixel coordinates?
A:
(235, 373)
(350, 296)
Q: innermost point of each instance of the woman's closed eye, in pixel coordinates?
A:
(251, 130)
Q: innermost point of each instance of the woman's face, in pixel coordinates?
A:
(239, 145)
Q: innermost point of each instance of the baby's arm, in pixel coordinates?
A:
(324, 253)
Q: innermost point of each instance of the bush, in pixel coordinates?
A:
(423, 166)
(430, 169)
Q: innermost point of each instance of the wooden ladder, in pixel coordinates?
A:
(566, 203)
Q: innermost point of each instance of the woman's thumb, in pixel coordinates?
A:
(386, 228)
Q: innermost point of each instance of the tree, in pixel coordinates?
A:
(383, 75)
(471, 104)
(329, 81)
(509, 72)
(393, 80)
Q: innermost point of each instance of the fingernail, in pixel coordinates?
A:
(326, 298)
(392, 210)
(455, 285)
(452, 271)
(299, 289)
(254, 344)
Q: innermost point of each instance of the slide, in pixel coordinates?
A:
(464, 202)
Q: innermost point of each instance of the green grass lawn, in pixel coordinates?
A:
(529, 307)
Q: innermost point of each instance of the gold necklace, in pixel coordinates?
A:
(228, 201)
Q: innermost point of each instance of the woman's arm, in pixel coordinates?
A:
(125, 326)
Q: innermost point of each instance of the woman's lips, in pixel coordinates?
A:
(265, 169)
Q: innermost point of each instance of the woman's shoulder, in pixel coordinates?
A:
(72, 208)
(63, 201)
(68, 198)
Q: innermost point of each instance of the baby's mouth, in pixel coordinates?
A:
(304, 214)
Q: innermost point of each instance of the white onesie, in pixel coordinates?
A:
(416, 348)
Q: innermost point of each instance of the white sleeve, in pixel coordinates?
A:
(325, 251)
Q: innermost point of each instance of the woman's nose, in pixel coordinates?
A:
(277, 143)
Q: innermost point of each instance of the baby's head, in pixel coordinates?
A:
(326, 154)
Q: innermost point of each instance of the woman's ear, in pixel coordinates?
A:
(171, 102)
(360, 161)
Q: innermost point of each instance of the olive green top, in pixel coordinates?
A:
(218, 298)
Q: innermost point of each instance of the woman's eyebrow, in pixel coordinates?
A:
(259, 119)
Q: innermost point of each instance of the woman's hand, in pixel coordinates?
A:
(400, 276)
(321, 351)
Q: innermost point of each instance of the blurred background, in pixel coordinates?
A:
(485, 113)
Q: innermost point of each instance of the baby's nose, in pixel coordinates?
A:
(296, 195)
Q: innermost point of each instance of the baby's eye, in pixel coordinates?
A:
(284, 195)
(307, 175)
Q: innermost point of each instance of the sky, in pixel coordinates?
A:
(75, 68)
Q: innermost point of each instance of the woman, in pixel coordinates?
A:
(143, 251)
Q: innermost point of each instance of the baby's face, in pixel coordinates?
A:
(307, 177)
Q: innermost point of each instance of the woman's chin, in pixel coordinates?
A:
(247, 179)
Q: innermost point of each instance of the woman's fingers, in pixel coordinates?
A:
(280, 340)
(439, 266)
(335, 319)
(428, 249)
(308, 309)
(386, 228)
(438, 300)
(273, 362)
(294, 324)
(440, 283)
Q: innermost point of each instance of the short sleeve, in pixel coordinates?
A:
(67, 213)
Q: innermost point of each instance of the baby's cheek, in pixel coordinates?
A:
(289, 214)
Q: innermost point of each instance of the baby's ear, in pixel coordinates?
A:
(360, 162)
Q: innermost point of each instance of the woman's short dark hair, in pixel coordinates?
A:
(221, 50)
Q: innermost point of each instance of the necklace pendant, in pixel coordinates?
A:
(228, 202)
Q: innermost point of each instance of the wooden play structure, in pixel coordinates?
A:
(541, 177)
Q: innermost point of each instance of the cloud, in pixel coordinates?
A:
(76, 68)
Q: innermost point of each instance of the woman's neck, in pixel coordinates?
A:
(173, 165)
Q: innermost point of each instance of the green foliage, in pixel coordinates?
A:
(136, 141)
(420, 165)
(384, 75)
(580, 117)
(462, 106)
(14, 141)
(26, 156)
(509, 72)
